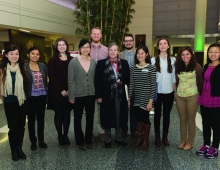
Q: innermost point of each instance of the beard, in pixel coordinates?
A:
(96, 40)
(128, 48)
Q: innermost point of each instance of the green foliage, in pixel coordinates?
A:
(112, 16)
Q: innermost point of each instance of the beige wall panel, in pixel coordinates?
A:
(143, 3)
(9, 19)
(39, 15)
(42, 25)
(142, 22)
(143, 12)
(10, 2)
(45, 7)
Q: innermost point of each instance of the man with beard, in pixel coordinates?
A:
(98, 52)
(128, 54)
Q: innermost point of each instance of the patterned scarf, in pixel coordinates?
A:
(6, 87)
(116, 87)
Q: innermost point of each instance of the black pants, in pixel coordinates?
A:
(167, 101)
(142, 115)
(89, 103)
(16, 117)
(36, 109)
(210, 121)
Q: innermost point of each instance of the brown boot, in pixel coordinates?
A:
(138, 142)
(157, 139)
(145, 143)
(165, 140)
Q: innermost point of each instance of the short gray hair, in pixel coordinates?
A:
(112, 44)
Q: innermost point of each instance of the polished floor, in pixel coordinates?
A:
(97, 158)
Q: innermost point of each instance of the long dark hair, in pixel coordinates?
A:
(212, 45)
(56, 51)
(147, 59)
(157, 56)
(180, 65)
(20, 61)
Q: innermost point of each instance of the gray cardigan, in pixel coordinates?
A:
(80, 82)
(43, 70)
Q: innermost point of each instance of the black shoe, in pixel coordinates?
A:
(122, 143)
(33, 146)
(42, 145)
(124, 134)
(89, 146)
(61, 142)
(108, 145)
(14, 155)
(20, 153)
(66, 140)
(82, 147)
(134, 135)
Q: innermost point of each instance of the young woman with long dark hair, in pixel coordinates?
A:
(166, 86)
(189, 83)
(209, 101)
(14, 86)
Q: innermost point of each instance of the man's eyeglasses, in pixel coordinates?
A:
(126, 41)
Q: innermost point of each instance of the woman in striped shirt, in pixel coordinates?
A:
(143, 85)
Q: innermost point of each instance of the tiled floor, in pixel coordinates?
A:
(120, 158)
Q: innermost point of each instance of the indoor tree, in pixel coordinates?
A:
(112, 16)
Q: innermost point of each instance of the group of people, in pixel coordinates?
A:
(108, 84)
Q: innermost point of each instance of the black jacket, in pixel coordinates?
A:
(43, 70)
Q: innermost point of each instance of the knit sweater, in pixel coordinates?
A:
(80, 82)
(143, 84)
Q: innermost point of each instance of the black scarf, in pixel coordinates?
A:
(116, 87)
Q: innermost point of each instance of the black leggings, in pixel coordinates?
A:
(142, 115)
(62, 119)
(210, 122)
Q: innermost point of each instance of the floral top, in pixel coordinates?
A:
(38, 88)
(187, 84)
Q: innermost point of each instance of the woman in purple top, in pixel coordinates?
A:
(37, 75)
(58, 89)
(209, 101)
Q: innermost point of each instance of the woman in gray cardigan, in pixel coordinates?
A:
(81, 74)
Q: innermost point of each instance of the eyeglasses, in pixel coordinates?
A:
(126, 41)
(85, 47)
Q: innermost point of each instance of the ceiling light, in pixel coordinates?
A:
(24, 30)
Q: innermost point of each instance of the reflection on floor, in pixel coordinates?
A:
(119, 158)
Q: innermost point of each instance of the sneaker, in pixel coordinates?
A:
(211, 153)
(203, 150)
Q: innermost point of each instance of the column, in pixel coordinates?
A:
(200, 26)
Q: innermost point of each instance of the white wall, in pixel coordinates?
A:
(38, 15)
